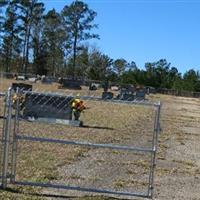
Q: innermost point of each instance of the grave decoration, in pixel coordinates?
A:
(22, 87)
(77, 106)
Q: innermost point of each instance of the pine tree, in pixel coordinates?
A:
(78, 19)
(54, 37)
(28, 13)
(11, 41)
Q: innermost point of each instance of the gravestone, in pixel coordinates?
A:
(114, 88)
(94, 86)
(47, 106)
(150, 90)
(107, 95)
(126, 94)
(21, 78)
(46, 80)
(105, 86)
(22, 86)
(32, 80)
(9, 76)
(71, 84)
(140, 94)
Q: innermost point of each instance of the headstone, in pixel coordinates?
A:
(140, 94)
(107, 95)
(105, 86)
(9, 76)
(114, 88)
(22, 86)
(47, 106)
(32, 80)
(127, 94)
(46, 80)
(22, 78)
(71, 84)
(150, 90)
(93, 86)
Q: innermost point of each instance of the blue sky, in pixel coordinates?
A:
(146, 30)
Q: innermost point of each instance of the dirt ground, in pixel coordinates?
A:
(178, 166)
(177, 174)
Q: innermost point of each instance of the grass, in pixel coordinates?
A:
(122, 183)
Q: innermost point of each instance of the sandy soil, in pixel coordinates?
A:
(178, 167)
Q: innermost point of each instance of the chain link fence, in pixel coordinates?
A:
(110, 149)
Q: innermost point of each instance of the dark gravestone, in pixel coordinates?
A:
(22, 86)
(107, 95)
(9, 76)
(46, 80)
(105, 86)
(71, 84)
(127, 97)
(140, 94)
(126, 94)
(47, 106)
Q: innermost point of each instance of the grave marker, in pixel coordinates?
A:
(47, 106)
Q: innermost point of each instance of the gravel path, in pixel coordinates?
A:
(178, 169)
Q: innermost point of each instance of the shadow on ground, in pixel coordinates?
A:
(97, 127)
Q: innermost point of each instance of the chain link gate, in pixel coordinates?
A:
(22, 140)
(6, 115)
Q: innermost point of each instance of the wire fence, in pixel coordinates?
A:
(2, 106)
(110, 148)
(181, 93)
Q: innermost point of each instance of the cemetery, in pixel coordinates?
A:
(100, 123)
(99, 100)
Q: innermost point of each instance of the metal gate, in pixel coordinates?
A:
(17, 139)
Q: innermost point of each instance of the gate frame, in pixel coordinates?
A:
(7, 118)
(6, 141)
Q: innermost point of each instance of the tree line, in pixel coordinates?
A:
(54, 43)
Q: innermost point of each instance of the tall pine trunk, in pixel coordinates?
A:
(27, 51)
(74, 57)
(24, 50)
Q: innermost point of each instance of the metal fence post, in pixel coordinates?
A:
(15, 131)
(8, 118)
(154, 148)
